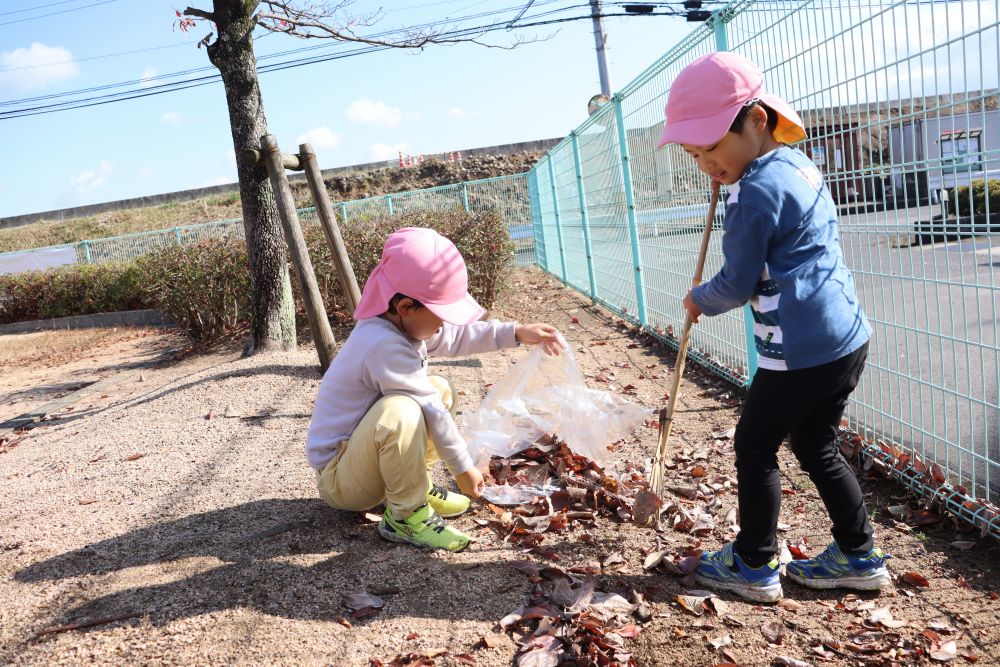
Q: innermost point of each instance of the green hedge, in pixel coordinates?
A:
(205, 287)
(73, 290)
(977, 200)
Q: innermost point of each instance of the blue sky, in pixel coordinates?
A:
(447, 97)
(352, 110)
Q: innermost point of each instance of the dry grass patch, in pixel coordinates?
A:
(54, 347)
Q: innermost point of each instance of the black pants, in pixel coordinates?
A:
(806, 405)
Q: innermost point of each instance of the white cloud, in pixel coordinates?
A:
(146, 172)
(374, 113)
(462, 114)
(320, 137)
(36, 66)
(145, 79)
(380, 152)
(86, 181)
(172, 118)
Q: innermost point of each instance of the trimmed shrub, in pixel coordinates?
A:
(204, 287)
(72, 290)
(482, 238)
(973, 199)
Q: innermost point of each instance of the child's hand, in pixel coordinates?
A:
(546, 334)
(470, 482)
(693, 310)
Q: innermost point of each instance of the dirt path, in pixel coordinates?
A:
(208, 531)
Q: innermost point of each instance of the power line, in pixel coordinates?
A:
(64, 11)
(32, 9)
(205, 80)
(327, 45)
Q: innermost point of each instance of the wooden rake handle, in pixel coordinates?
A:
(667, 413)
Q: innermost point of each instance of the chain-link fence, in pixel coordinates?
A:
(506, 195)
(901, 107)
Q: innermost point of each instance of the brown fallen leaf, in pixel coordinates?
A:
(945, 652)
(489, 641)
(630, 631)
(134, 457)
(790, 605)
(790, 662)
(646, 507)
(344, 622)
(915, 579)
(356, 601)
(410, 637)
(774, 632)
(87, 501)
(364, 612)
(693, 603)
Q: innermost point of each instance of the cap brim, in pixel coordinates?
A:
(699, 131)
(790, 128)
(461, 312)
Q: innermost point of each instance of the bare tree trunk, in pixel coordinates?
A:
(272, 309)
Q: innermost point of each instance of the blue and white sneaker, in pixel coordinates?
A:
(835, 569)
(726, 570)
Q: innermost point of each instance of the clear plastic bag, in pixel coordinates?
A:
(547, 395)
(516, 494)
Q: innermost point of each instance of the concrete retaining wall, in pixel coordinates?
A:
(134, 318)
(214, 190)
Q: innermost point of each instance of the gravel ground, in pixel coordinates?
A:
(207, 532)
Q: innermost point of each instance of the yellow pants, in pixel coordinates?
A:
(386, 458)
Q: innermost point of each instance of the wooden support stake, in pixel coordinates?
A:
(254, 156)
(319, 325)
(330, 227)
(667, 414)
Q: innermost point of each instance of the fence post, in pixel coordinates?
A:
(721, 38)
(177, 235)
(465, 196)
(319, 324)
(555, 210)
(343, 212)
(86, 252)
(388, 204)
(633, 232)
(584, 216)
(338, 251)
(722, 44)
(537, 226)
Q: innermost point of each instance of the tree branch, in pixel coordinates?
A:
(200, 13)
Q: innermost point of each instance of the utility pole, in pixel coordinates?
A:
(600, 40)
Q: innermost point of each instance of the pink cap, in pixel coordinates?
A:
(425, 266)
(706, 96)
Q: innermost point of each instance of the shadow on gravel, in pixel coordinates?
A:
(268, 550)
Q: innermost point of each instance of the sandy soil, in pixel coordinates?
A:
(42, 366)
(205, 530)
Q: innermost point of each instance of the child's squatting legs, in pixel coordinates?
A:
(387, 459)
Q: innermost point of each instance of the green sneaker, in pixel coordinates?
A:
(424, 528)
(444, 502)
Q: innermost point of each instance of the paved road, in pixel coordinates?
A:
(933, 379)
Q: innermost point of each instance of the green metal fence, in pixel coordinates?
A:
(901, 107)
(506, 195)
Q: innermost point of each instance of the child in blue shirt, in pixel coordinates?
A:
(782, 255)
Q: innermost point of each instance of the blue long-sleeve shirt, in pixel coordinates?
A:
(782, 255)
